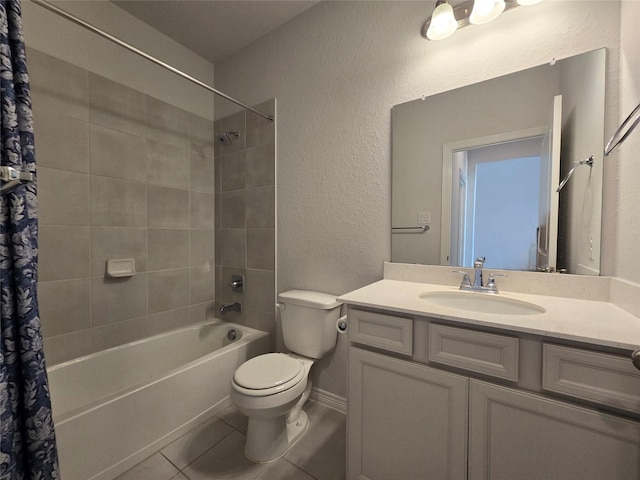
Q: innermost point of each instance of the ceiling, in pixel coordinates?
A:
(215, 29)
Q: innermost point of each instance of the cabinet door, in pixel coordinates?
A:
(517, 435)
(405, 421)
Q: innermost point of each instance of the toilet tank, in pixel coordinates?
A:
(308, 322)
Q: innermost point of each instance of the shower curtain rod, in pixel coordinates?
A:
(122, 43)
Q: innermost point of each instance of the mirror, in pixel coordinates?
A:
(476, 171)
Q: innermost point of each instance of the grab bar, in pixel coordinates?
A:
(422, 228)
(576, 164)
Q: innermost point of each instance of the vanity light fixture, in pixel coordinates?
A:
(443, 22)
(446, 19)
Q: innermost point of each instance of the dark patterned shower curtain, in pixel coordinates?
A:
(27, 445)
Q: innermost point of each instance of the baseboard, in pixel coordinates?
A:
(329, 400)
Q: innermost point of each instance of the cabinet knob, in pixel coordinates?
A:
(635, 358)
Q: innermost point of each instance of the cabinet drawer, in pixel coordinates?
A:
(383, 331)
(487, 353)
(598, 377)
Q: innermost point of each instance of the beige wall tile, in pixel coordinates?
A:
(64, 306)
(168, 124)
(117, 299)
(231, 247)
(169, 320)
(65, 347)
(168, 248)
(233, 209)
(261, 248)
(61, 142)
(232, 169)
(63, 252)
(202, 210)
(167, 207)
(118, 202)
(202, 312)
(63, 197)
(234, 123)
(260, 167)
(118, 242)
(202, 285)
(118, 107)
(201, 248)
(57, 86)
(114, 334)
(202, 173)
(202, 135)
(168, 290)
(260, 291)
(117, 154)
(260, 207)
(167, 165)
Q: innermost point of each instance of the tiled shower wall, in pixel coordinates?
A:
(245, 217)
(120, 175)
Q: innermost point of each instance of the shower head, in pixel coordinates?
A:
(225, 138)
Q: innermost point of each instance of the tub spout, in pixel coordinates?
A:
(235, 307)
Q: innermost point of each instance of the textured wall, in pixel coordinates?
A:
(336, 71)
(628, 156)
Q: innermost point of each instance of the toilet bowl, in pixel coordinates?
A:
(271, 389)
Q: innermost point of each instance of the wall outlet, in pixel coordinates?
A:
(424, 218)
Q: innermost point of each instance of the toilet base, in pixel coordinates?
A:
(268, 439)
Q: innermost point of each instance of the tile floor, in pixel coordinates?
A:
(215, 450)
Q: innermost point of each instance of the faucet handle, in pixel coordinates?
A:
(491, 284)
(479, 263)
(492, 276)
(466, 280)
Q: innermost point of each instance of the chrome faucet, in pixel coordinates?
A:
(477, 285)
(234, 307)
(477, 277)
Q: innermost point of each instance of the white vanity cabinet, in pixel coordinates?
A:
(432, 399)
(406, 420)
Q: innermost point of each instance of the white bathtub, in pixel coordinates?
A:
(114, 408)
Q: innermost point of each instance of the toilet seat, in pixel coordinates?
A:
(268, 374)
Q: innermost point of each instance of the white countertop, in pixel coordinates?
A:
(588, 321)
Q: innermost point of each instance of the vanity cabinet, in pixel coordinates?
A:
(406, 420)
(518, 435)
(447, 402)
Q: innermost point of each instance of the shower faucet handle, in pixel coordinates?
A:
(237, 283)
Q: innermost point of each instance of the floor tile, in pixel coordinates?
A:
(233, 417)
(155, 467)
(322, 451)
(178, 476)
(225, 461)
(194, 443)
(283, 470)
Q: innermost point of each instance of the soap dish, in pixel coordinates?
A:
(121, 267)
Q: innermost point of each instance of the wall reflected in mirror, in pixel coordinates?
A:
(480, 165)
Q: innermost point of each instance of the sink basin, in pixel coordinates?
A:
(482, 303)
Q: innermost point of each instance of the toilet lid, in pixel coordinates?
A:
(268, 371)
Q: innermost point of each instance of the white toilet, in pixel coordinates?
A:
(271, 389)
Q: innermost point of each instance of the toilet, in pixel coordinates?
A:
(271, 389)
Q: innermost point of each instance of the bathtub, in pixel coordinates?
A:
(114, 408)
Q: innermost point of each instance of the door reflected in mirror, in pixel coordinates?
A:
(481, 165)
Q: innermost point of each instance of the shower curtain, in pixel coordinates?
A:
(27, 445)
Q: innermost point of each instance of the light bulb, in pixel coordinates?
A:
(486, 10)
(443, 22)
